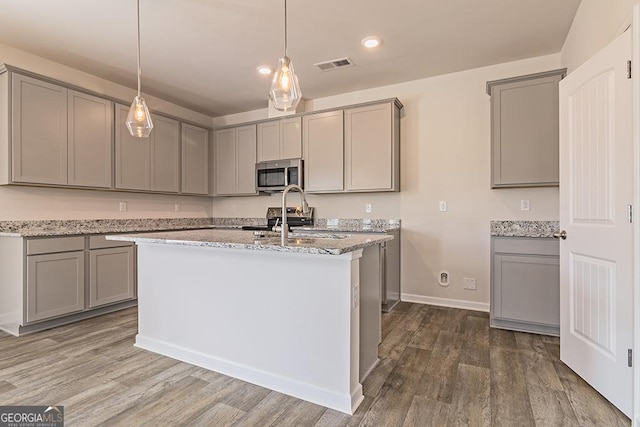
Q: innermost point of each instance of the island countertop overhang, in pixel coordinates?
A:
(239, 239)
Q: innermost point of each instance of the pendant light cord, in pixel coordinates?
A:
(285, 27)
(138, 15)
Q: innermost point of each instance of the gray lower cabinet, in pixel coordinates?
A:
(111, 271)
(525, 284)
(48, 281)
(55, 279)
(524, 130)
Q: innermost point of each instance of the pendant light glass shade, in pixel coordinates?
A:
(285, 93)
(139, 120)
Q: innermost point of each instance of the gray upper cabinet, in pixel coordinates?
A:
(279, 139)
(323, 139)
(60, 135)
(524, 130)
(150, 164)
(90, 140)
(165, 154)
(72, 141)
(235, 158)
(195, 159)
(372, 147)
(353, 150)
(133, 155)
(39, 126)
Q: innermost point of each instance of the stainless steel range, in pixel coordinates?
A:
(295, 218)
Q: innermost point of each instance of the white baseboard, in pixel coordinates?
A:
(346, 403)
(446, 302)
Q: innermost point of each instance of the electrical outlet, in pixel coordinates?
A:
(443, 205)
(367, 207)
(176, 207)
(525, 205)
(123, 206)
(470, 284)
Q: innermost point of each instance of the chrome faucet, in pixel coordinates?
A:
(305, 210)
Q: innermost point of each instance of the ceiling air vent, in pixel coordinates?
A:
(334, 64)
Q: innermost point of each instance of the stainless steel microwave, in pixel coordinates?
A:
(275, 175)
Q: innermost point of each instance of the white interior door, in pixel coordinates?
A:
(596, 259)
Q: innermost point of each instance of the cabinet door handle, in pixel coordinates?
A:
(561, 235)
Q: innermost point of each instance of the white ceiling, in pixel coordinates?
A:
(203, 54)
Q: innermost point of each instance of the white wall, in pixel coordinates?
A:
(22, 203)
(596, 23)
(445, 155)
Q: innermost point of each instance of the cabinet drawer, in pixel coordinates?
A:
(54, 244)
(99, 242)
(526, 245)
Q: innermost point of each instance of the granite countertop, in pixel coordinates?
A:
(42, 228)
(308, 243)
(74, 227)
(524, 228)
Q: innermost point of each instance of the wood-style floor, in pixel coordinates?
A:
(439, 367)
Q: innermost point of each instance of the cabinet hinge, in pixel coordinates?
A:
(629, 69)
(630, 358)
(630, 213)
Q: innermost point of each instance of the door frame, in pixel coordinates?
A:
(635, 80)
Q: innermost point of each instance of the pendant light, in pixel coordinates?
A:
(139, 120)
(285, 93)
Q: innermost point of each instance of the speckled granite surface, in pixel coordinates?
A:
(97, 226)
(524, 228)
(355, 225)
(43, 228)
(239, 239)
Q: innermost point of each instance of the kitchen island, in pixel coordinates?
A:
(301, 318)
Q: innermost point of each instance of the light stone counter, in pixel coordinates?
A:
(45, 228)
(524, 228)
(309, 243)
(74, 227)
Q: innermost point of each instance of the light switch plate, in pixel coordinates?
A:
(443, 206)
(123, 206)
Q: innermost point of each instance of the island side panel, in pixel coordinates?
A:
(280, 320)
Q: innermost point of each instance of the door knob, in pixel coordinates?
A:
(561, 235)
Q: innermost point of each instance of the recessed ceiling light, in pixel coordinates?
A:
(265, 70)
(371, 42)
